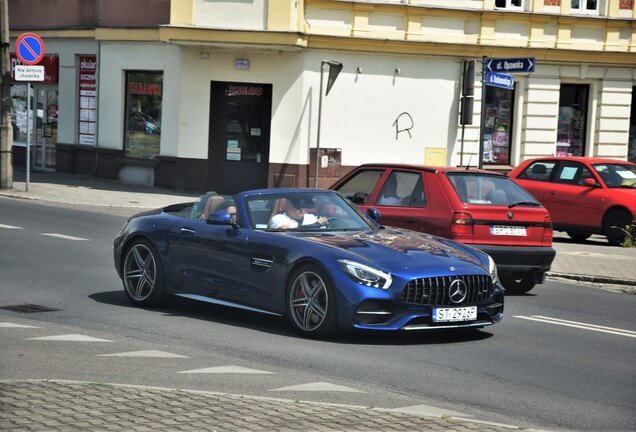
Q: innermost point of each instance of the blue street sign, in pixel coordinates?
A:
(29, 48)
(500, 80)
(510, 65)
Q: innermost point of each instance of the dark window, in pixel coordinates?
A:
(359, 187)
(488, 189)
(572, 173)
(144, 94)
(572, 123)
(539, 170)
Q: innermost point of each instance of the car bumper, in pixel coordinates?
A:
(520, 259)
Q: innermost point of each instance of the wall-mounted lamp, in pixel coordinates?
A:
(397, 71)
(204, 55)
(359, 70)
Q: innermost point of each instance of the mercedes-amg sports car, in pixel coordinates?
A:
(310, 255)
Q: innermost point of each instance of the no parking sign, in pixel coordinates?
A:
(29, 48)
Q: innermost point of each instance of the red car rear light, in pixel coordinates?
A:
(461, 223)
(548, 231)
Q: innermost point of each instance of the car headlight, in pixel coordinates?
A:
(365, 275)
(492, 268)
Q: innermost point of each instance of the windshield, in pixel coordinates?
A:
(305, 211)
(485, 189)
(617, 175)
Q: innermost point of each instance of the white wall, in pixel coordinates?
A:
(115, 59)
(237, 15)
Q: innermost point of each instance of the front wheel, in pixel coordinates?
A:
(311, 303)
(519, 283)
(143, 274)
(615, 224)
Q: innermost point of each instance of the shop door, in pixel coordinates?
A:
(238, 151)
(45, 126)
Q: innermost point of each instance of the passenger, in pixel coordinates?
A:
(294, 216)
(389, 194)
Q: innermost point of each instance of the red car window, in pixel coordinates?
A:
(402, 189)
(359, 187)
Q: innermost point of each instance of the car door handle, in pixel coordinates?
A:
(188, 231)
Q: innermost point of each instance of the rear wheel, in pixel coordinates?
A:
(614, 225)
(311, 303)
(578, 236)
(143, 274)
(518, 283)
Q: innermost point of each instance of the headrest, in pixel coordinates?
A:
(539, 169)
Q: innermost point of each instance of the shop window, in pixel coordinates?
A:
(19, 112)
(144, 94)
(585, 6)
(509, 4)
(498, 125)
(572, 122)
(631, 152)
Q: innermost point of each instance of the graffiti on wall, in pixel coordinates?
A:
(403, 123)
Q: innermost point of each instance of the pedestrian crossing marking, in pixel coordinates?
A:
(70, 338)
(231, 369)
(319, 386)
(65, 237)
(147, 353)
(14, 325)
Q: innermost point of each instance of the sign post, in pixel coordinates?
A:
(494, 72)
(29, 49)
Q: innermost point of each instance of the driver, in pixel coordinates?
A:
(295, 216)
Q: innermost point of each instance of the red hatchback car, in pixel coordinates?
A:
(584, 196)
(484, 209)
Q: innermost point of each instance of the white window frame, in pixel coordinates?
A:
(583, 9)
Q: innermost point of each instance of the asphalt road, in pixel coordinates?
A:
(562, 359)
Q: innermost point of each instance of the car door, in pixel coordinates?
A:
(568, 200)
(208, 260)
(401, 197)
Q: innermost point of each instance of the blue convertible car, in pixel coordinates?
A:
(310, 255)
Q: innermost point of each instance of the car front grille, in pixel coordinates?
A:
(435, 290)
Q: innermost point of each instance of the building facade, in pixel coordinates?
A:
(225, 96)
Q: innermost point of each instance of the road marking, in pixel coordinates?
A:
(319, 386)
(148, 353)
(226, 370)
(575, 324)
(71, 338)
(14, 325)
(9, 227)
(65, 237)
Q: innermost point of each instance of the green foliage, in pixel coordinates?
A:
(630, 234)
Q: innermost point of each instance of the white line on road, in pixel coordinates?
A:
(9, 227)
(575, 324)
(65, 237)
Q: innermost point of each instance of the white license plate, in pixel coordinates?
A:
(468, 313)
(508, 230)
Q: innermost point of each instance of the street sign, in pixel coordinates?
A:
(500, 80)
(510, 65)
(29, 48)
(28, 73)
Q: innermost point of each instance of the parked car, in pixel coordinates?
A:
(483, 209)
(584, 196)
(343, 270)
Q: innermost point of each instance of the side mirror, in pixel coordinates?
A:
(374, 214)
(590, 182)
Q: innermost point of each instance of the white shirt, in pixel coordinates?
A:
(282, 219)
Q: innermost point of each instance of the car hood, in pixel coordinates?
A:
(398, 248)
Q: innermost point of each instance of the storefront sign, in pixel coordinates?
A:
(88, 99)
(137, 88)
(244, 91)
